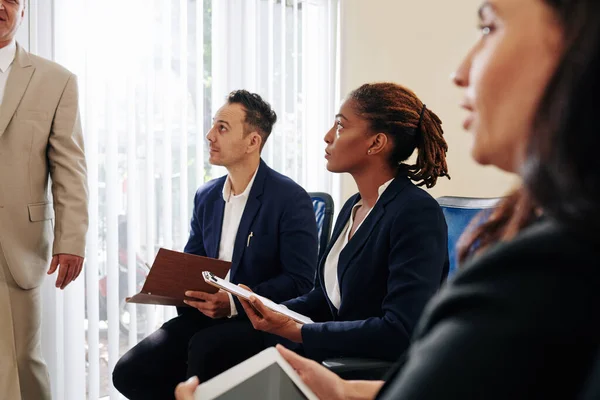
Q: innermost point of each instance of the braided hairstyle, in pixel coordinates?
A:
(396, 111)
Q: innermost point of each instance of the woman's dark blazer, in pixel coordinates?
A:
(520, 321)
(387, 272)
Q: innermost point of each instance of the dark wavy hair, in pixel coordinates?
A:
(561, 174)
(259, 114)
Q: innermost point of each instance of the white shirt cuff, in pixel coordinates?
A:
(234, 312)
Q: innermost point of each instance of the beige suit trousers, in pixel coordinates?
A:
(23, 372)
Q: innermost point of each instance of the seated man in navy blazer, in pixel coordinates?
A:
(258, 219)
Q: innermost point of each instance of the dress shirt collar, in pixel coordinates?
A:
(227, 188)
(7, 55)
(383, 187)
(380, 191)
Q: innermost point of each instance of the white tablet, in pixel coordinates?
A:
(235, 290)
(266, 376)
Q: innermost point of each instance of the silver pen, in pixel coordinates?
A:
(249, 237)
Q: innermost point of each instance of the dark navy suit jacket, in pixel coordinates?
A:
(387, 272)
(279, 260)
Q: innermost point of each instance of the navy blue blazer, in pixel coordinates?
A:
(279, 260)
(387, 272)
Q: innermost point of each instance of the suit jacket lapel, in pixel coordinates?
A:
(340, 223)
(252, 206)
(16, 84)
(218, 211)
(360, 237)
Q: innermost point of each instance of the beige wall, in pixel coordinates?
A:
(419, 44)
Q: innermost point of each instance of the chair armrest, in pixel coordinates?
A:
(358, 368)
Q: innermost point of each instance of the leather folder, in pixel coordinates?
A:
(173, 273)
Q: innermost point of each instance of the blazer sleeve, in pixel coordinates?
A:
(297, 251)
(68, 170)
(313, 304)
(518, 329)
(417, 256)
(195, 243)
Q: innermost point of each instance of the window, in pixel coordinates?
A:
(152, 74)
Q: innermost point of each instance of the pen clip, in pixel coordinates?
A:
(249, 237)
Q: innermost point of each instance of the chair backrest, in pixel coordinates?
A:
(459, 211)
(323, 206)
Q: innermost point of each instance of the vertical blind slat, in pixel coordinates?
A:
(304, 107)
(132, 206)
(270, 69)
(91, 263)
(112, 232)
(283, 101)
(199, 92)
(167, 109)
(183, 148)
(90, 129)
(150, 186)
(296, 88)
(168, 131)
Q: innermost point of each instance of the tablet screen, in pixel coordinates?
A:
(272, 383)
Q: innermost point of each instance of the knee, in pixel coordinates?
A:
(202, 344)
(121, 375)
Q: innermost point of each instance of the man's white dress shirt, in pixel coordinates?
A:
(232, 216)
(7, 57)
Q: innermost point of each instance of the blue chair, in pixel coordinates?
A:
(459, 211)
(323, 206)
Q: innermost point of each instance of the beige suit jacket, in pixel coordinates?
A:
(40, 138)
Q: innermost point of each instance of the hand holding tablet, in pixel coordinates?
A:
(266, 376)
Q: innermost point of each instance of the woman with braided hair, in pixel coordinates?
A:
(388, 253)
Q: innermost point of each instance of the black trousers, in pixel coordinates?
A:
(190, 344)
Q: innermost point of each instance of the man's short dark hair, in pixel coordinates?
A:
(259, 115)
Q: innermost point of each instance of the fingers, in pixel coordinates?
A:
(248, 308)
(259, 306)
(208, 308)
(71, 271)
(185, 390)
(53, 265)
(297, 362)
(245, 287)
(265, 312)
(199, 295)
(199, 305)
(62, 275)
(69, 267)
(253, 316)
(79, 269)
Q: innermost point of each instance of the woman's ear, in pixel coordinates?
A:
(378, 143)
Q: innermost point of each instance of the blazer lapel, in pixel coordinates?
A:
(360, 237)
(252, 206)
(16, 85)
(340, 223)
(217, 223)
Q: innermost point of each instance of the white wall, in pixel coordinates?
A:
(419, 44)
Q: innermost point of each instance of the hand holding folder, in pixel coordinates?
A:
(173, 273)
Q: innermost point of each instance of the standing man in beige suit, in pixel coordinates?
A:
(40, 138)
